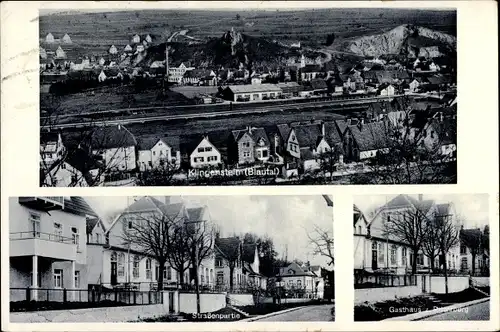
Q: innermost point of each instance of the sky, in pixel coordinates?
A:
(472, 208)
(286, 219)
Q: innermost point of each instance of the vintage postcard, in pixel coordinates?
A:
(197, 166)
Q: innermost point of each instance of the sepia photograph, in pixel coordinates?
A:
(171, 259)
(242, 96)
(421, 257)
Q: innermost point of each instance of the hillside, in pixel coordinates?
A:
(232, 49)
(404, 39)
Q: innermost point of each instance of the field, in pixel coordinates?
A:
(97, 31)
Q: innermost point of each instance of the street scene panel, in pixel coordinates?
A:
(247, 97)
(171, 259)
(421, 257)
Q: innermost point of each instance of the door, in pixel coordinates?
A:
(113, 273)
(171, 302)
(374, 259)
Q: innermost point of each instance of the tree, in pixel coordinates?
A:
(266, 251)
(322, 243)
(149, 233)
(161, 175)
(472, 239)
(448, 236)
(329, 160)
(238, 17)
(430, 245)
(407, 226)
(330, 38)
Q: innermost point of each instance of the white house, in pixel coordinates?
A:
(49, 38)
(301, 281)
(139, 48)
(376, 251)
(43, 53)
(60, 54)
(155, 152)
(113, 50)
(115, 146)
(205, 154)
(66, 39)
(148, 39)
(136, 39)
(387, 90)
(128, 48)
(175, 74)
(47, 245)
(434, 67)
(52, 148)
(415, 84)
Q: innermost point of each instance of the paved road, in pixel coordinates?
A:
(317, 313)
(480, 311)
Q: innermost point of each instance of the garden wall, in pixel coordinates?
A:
(94, 315)
(209, 302)
(384, 293)
(481, 281)
(241, 299)
(455, 284)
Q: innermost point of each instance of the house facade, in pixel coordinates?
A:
(115, 146)
(301, 281)
(249, 146)
(47, 245)
(205, 154)
(249, 92)
(52, 148)
(376, 252)
(156, 152)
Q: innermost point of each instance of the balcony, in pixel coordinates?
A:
(43, 203)
(42, 244)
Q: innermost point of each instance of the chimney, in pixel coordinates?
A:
(119, 126)
(323, 129)
(249, 129)
(420, 197)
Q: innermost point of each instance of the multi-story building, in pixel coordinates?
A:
(301, 280)
(116, 262)
(376, 250)
(47, 246)
(474, 259)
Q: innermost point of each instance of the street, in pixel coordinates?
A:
(480, 311)
(317, 313)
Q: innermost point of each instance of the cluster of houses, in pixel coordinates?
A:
(368, 76)
(75, 249)
(295, 148)
(378, 252)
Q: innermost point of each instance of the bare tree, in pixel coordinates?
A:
(408, 226)
(322, 242)
(448, 236)
(472, 239)
(162, 175)
(329, 160)
(431, 244)
(150, 234)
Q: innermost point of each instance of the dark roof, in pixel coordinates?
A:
(403, 200)
(318, 84)
(439, 79)
(311, 68)
(82, 161)
(284, 131)
(198, 73)
(148, 142)
(256, 134)
(91, 222)
(228, 247)
(332, 135)
(371, 136)
(46, 137)
(78, 205)
(307, 135)
(443, 209)
(109, 137)
(195, 214)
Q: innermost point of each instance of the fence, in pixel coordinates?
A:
(123, 296)
(389, 280)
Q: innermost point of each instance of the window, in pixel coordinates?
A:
(246, 154)
(135, 270)
(208, 148)
(374, 245)
(211, 275)
(403, 256)
(58, 278)
(154, 153)
(35, 224)
(201, 149)
(218, 262)
(77, 279)
(220, 278)
(463, 264)
(381, 253)
(264, 153)
(246, 144)
(299, 283)
(121, 264)
(359, 229)
(463, 249)
(148, 269)
(58, 231)
(212, 158)
(76, 237)
(129, 224)
(420, 259)
(393, 254)
(202, 278)
(207, 276)
(198, 159)
(98, 238)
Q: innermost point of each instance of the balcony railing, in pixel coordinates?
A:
(41, 236)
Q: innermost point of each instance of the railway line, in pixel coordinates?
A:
(158, 113)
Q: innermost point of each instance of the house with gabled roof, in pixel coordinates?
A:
(365, 140)
(115, 146)
(128, 48)
(66, 39)
(49, 38)
(60, 54)
(376, 250)
(154, 152)
(205, 154)
(113, 50)
(249, 145)
(136, 39)
(301, 281)
(52, 148)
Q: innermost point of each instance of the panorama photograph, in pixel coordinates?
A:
(242, 96)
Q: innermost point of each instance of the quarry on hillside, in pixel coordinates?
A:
(404, 39)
